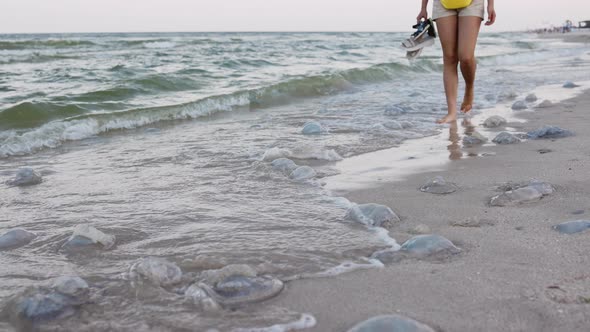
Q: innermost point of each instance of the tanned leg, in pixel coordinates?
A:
(468, 32)
(448, 34)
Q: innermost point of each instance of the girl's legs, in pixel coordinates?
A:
(448, 34)
(467, 38)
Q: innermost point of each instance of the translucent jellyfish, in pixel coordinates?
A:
(518, 196)
(158, 271)
(41, 307)
(391, 323)
(394, 111)
(519, 105)
(545, 103)
(198, 295)
(549, 132)
(505, 138)
(313, 128)
(371, 214)
(71, 285)
(15, 238)
(572, 227)
(522, 193)
(425, 245)
(284, 165)
(303, 173)
(474, 139)
(238, 289)
(494, 121)
(570, 85)
(86, 235)
(439, 185)
(25, 177)
(275, 153)
(531, 98)
(59, 301)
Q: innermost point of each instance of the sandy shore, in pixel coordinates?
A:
(515, 272)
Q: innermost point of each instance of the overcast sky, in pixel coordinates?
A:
(257, 15)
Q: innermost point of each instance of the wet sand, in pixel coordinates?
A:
(515, 272)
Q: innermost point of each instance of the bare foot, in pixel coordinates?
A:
(447, 119)
(467, 104)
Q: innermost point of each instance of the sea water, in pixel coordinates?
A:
(166, 142)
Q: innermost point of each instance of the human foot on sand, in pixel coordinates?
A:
(447, 119)
(467, 104)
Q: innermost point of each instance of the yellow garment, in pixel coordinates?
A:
(455, 4)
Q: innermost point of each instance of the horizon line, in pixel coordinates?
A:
(244, 31)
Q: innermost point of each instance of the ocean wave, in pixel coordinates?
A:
(58, 123)
(29, 114)
(53, 134)
(36, 44)
(36, 57)
(245, 62)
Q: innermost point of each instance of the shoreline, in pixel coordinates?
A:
(515, 273)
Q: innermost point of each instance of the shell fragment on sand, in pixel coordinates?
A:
(371, 214)
(439, 186)
(25, 177)
(391, 323)
(572, 227)
(16, 238)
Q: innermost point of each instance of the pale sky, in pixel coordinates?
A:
(28, 16)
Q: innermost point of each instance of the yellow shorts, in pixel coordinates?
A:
(476, 8)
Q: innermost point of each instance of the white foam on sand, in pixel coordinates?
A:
(345, 267)
(305, 322)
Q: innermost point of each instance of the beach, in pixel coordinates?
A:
(515, 272)
(216, 182)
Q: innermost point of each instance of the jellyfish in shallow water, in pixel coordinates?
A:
(284, 165)
(425, 245)
(572, 227)
(25, 177)
(371, 214)
(238, 289)
(86, 235)
(313, 128)
(303, 173)
(158, 271)
(391, 323)
(61, 300)
(15, 238)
